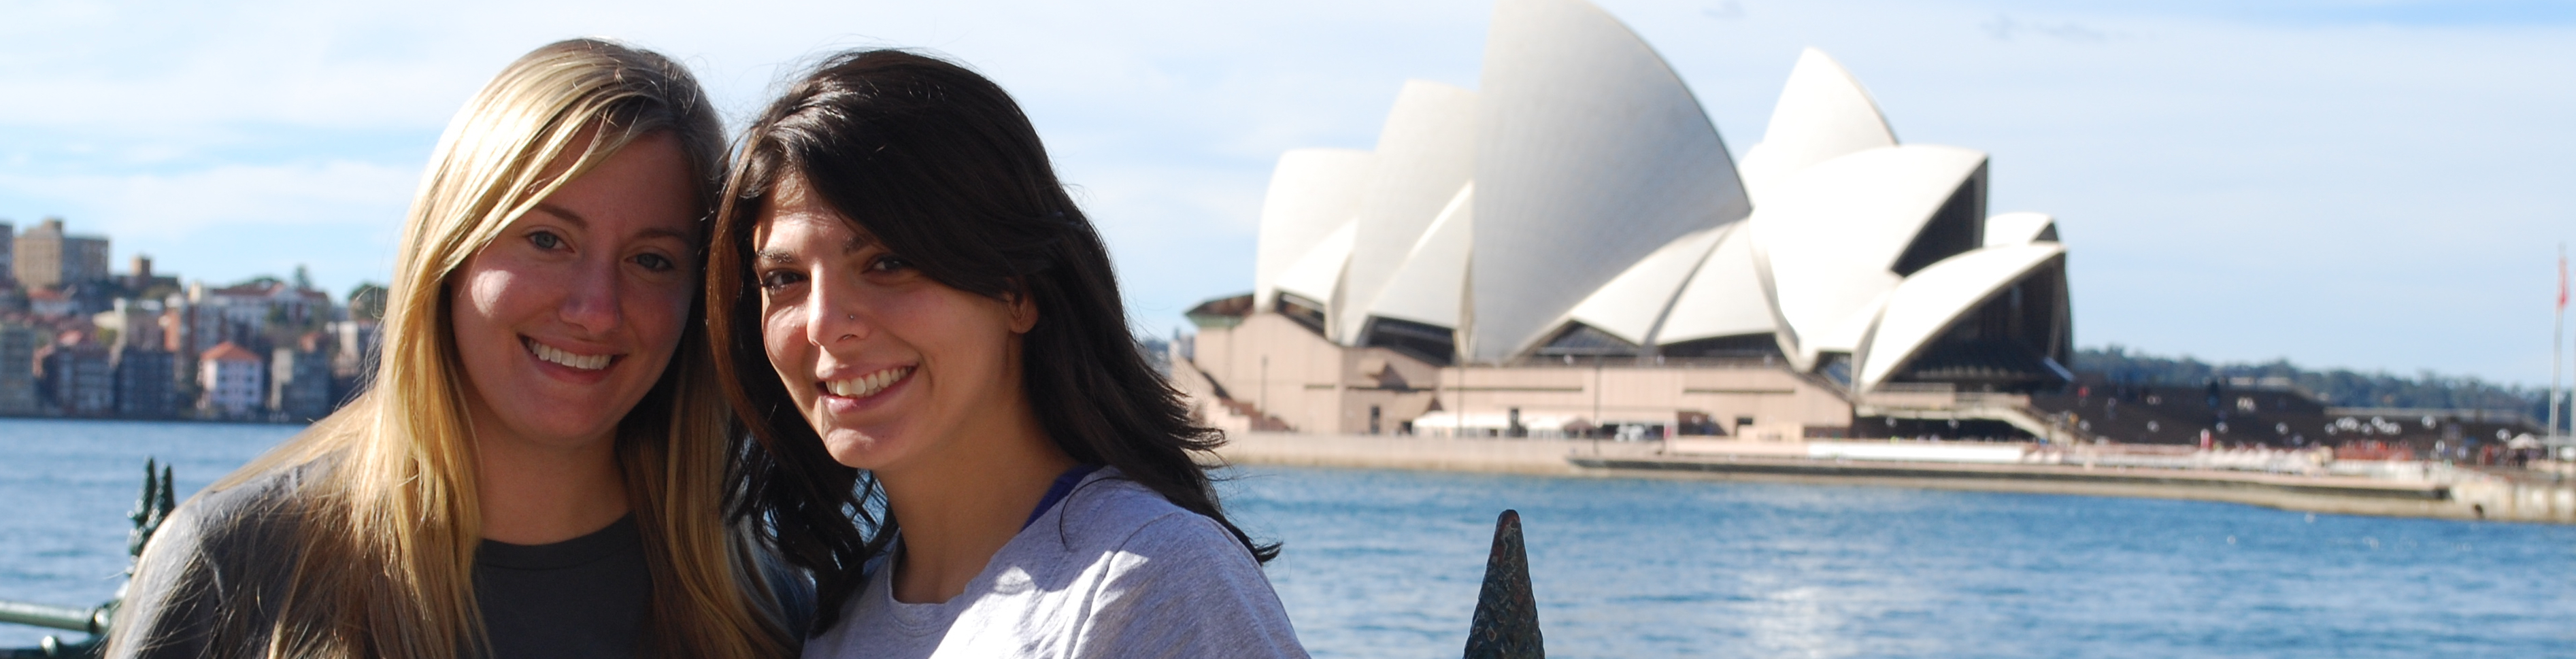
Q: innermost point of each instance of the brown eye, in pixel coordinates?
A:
(777, 279)
(655, 262)
(889, 263)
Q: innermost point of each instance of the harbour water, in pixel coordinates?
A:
(1386, 563)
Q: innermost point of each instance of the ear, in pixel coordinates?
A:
(1023, 307)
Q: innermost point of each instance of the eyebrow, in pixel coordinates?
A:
(682, 236)
(558, 211)
(855, 243)
(583, 223)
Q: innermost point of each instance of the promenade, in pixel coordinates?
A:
(2384, 489)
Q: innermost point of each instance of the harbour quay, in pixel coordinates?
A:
(2304, 480)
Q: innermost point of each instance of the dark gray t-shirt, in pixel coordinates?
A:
(210, 583)
(584, 597)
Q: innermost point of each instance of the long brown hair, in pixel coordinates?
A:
(386, 533)
(941, 165)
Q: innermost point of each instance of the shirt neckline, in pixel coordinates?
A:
(924, 615)
(1056, 492)
(618, 537)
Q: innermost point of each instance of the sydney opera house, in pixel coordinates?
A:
(1570, 248)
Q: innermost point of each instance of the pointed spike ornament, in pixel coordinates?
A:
(143, 509)
(161, 509)
(150, 509)
(1506, 621)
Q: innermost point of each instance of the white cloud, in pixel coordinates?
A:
(335, 192)
(230, 222)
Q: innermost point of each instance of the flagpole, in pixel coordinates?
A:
(2557, 345)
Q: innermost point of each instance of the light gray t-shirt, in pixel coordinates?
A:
(1115, 570)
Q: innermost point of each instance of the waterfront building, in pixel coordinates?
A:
(233, 380)
(76, 377)
(8, 254)
(145, 381)
(47, 257)
(248, 313)
(135, 322)
(175, 338)
(142, 282)
(299, 380)
(50, 302)
(1571, 249)
(353, 355)
(18, 344)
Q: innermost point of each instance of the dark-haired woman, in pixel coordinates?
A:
(920, 322)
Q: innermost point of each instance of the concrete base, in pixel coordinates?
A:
(2495, 501)
(1487, 455)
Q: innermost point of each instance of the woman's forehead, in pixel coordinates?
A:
(793, 195)
(799, 227)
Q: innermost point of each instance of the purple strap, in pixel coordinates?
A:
(1055, 493)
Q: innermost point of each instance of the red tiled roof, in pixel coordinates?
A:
(229, 352)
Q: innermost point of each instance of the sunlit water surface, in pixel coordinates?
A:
(1387, 563)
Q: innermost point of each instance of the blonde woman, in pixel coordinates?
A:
(541, 466)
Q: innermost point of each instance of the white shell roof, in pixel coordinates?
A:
(2020, 229)
(1928, 302)
(1828, 238)
(1425, 152)
(1723, 298)
(1585, 184)
(1312, 192)
(1823, 114)
(1431, 285)
(1591, 154)
(1317, 275)
(1632, 304)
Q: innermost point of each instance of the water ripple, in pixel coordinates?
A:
(1649, 568)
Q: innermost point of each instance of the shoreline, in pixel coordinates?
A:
(126, 419)
(2488, 500)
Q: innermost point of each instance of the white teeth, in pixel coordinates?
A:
(559, 356)
(867, 385)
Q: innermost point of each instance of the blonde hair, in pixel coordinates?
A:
(388, 531)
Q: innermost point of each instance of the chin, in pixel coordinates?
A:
(858, 449)
(577, 432)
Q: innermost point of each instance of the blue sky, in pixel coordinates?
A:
(2379, 185)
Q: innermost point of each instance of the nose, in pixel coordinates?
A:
(591, 301)
(832, 316)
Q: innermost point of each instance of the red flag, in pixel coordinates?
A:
(2562, 280)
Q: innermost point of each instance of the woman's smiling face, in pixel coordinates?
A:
(886, 363)
(565, 321)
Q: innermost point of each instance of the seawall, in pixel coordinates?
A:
(2488, 499)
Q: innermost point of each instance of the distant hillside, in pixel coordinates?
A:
(2341, 388)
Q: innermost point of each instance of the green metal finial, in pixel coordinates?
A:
(150, 510)
(162, 512)
(143, 504)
